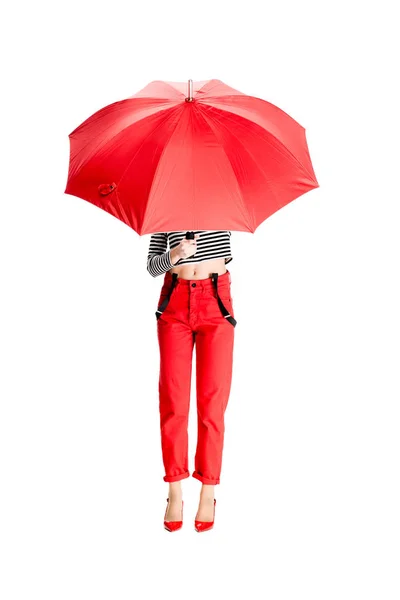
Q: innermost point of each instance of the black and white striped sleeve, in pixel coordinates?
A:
(159, 258)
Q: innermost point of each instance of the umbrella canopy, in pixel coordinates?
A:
(199, 155)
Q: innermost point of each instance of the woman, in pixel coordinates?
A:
(195, 306)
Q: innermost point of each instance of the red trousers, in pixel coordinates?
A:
(193, 315)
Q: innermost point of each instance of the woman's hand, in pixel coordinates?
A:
(186, 248)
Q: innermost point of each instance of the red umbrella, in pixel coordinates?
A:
(200, 156)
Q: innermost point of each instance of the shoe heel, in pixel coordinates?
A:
(172, 525)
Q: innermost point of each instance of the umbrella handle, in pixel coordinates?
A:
(190, 235)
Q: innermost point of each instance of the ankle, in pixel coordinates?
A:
(207, 492)
(175, 490)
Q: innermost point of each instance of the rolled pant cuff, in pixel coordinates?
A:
(171, 478)
(205, 479)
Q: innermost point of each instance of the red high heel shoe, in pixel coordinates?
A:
(205, 525)
(172, 525)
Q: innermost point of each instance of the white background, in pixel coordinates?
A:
(308, 505)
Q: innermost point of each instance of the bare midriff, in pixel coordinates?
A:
(201, 270)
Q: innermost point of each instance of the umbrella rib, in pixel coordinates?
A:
(220, 122)
(156, 170)
(251, 155)
(255, 162)
(143, 141)
(101, 145)
(243, 207)
(279, 145)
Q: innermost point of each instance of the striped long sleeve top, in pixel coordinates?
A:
(210, 245)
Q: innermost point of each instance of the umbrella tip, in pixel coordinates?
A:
(189, 97)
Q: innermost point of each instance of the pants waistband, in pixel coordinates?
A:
(224, 280)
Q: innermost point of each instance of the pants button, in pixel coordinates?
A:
(193, 285)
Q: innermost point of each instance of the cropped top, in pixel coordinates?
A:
(210, 245)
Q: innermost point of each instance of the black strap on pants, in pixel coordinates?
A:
(163, 305)
(214, 276)
(225, 312)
